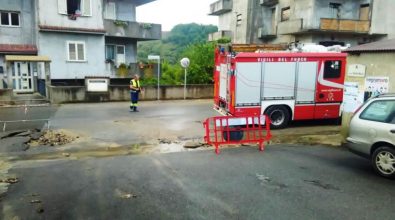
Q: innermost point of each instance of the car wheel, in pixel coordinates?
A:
(279, 116)
(383, 161)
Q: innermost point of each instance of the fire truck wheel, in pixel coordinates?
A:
(234, 135)
(279, 116)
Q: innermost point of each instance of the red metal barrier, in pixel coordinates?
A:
(237, 130)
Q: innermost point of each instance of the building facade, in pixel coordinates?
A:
(69, 40)
(370, 72)
(307, 21)
(17, 37)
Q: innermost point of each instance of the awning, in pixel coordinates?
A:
(9, 58)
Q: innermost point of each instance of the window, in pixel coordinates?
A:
(110, 52)
(332, 69)
(76, 51)
(335, 9)
(380, 111)
(75, 7)
(9, 19)
(110, 11)
(334, 5)
(116, 53)
(239, 19)
(364, 12)
(285, 13)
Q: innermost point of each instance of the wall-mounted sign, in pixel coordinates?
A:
(353, 98)
(376, 85)
(356, 70)
(97, 84)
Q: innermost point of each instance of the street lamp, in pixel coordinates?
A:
(185, 64)
(156, 57)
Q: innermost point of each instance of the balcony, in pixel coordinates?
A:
(299, 26)
(290, 26)
(218, 35)
(221, 7)
(133, 30)
(344, 25)
(267, 33)
(268, 3)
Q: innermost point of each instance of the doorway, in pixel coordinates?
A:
(22, 77)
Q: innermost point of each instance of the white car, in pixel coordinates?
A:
(372, 133)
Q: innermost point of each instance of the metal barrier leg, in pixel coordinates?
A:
(217, 151)
(261, 146)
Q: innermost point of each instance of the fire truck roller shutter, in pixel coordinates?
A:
(223, 81)
(307, 78)
(279, 80)
(248, 84)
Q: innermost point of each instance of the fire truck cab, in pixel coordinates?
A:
(283, 85)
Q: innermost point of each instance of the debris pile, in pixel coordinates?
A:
(10, 180)
(53, 138)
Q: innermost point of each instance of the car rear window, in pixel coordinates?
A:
(381, 111)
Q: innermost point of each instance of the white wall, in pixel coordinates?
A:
(382, 18)
(49, 15)
(25, 34)
(126, 10)
(241, 7)
(225, 22)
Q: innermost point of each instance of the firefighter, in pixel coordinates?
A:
(135, 89)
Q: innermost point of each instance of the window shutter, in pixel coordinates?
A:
(72, 51)
(86, 7)
(110, 11)
(62, 7)
(81, 52)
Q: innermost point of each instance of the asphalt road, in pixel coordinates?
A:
(28, 113)
(281, 183)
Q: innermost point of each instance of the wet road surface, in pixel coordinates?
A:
(284, 182)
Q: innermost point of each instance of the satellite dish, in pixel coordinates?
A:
(185, 62)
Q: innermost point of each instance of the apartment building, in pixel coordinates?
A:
(69, 40)
(17, 37)
(325, 22)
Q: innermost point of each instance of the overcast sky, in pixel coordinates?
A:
(172, 12)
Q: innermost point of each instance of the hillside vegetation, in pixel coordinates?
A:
(184, 40)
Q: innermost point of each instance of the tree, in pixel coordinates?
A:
(171, 47)
(201, 68)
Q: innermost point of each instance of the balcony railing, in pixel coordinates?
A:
(218, 35)
(135, 30)
(221, 7)
(344, 25)
(325, 25)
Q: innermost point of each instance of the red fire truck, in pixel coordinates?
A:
(283, 85)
